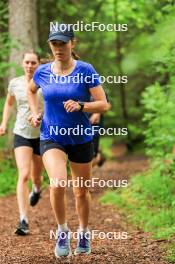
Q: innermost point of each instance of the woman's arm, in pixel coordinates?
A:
(95, 118)
(35, 117)
(100, 104)
(8, 106)
(32, 97)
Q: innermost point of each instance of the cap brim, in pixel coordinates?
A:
(60, 37)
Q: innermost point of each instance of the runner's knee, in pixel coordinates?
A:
(24, 175)
(80, 192)
(58, 192)
(58, 182)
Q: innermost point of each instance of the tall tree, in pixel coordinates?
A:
(22, 29)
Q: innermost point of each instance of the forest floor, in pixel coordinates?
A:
(37, 248)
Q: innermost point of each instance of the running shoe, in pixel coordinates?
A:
(83, 245)
(62, 248)
(34, 197)
(22, 229)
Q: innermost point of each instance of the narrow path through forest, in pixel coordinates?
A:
(37, 248)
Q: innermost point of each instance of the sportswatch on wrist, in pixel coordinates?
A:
(81, 105)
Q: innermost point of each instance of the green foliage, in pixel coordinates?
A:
(149, 199)
(8, 177)
(160, 116)
(171, 253)
(4, 39)
(148, 202)
(105, 145)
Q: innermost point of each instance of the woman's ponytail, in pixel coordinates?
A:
(75, 56)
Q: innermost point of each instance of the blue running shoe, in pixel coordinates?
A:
(83, 245)
(62, 248)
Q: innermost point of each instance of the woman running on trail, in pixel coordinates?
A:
(66, 104)
(26, 141)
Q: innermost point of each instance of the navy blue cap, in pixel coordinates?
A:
(63, 32)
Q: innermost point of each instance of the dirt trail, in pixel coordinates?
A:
(37, 248)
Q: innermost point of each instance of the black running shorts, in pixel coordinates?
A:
(80, 153)
(33, 143)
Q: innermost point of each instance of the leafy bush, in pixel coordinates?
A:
(160, 118)
(149, 202)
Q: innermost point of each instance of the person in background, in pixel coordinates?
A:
(26, 141)
(97, 120)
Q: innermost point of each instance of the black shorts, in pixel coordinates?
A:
(33, 143)
(96, 141)
(80, 153)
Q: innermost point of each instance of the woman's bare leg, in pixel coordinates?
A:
(82, 196)
(36, 171)
(55, 161)
(23, 156)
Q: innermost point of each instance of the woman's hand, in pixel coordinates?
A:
(35, 120)
(95, 118)
(2, 129)
(71, 106)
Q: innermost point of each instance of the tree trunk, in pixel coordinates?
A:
(24, 35)
(22, 29)
(119, 58)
